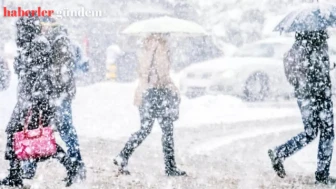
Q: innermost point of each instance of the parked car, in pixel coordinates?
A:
(254, 72)
(4, 75)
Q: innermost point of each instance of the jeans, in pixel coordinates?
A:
(68, 134)
(317, 115)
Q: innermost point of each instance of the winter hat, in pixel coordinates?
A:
(27, 29)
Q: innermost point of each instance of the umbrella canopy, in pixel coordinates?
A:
(316, 16)
(165, 25)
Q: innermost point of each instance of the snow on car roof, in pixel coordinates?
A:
(228, 62)
(284, 40)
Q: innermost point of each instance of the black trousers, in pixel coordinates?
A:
(317, 115)
(154, 107)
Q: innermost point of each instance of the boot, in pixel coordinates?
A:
(277, 164)
(72, 174)
(121, 162)
(329, 181)
(13, 179)
(171, 168)
(322, 179)
(174, 172)
(82, 171)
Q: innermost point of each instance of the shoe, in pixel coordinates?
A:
(329, 181)
(81, 173)
(13, 180)
(277, 164)
(72, 174)
(121, 162)
(175, 172)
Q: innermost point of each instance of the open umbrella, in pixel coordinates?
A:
(313, 17)
(165, 24)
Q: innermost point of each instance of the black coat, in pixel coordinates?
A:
(32, 65)
(307, 65)
(33, 68)
(63, 63)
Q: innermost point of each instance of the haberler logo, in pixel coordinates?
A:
(20, 12)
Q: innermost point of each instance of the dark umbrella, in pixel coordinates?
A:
(314, 17)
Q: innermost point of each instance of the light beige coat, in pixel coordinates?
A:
(162, 65)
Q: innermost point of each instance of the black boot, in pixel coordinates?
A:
(168, 148)
(82, 171)
(328, 181)
(173, 172)
(14, 178)
(323, 179)
(277, 164)
(73, 175)
(121, 162)
(170, 165)
(71, 167)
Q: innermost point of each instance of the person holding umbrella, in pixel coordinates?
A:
(307, 68)
(157, 98)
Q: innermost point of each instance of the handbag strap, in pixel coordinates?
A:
(152, 65)
(25, 128)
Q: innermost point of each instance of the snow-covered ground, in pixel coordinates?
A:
(220, 141)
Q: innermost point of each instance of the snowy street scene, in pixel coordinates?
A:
(167, 94)
(216, 149)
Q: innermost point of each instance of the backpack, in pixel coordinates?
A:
(293, 65)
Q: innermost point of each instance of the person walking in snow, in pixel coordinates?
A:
(62, 62)
(157, 98)
(81, 64)
(35, 95)
(307, 68)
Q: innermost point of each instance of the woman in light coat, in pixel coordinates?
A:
(157, 98)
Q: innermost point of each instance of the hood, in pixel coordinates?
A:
(27, 29)
(56, 33)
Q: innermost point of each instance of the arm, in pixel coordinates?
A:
(64, 61)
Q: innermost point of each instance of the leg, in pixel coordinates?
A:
(147, 122)
(69, 135)
(68, 132)
(71, 167)
(168, 147)
(310, 122)
(325, 149)
(14, 178)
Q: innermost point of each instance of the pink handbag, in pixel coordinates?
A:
(33, 144)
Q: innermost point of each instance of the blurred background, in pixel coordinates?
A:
(231, 24)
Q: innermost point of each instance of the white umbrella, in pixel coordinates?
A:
(165, 24)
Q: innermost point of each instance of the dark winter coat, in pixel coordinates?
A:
(307, 65)
(32, 66)
(63, 63)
